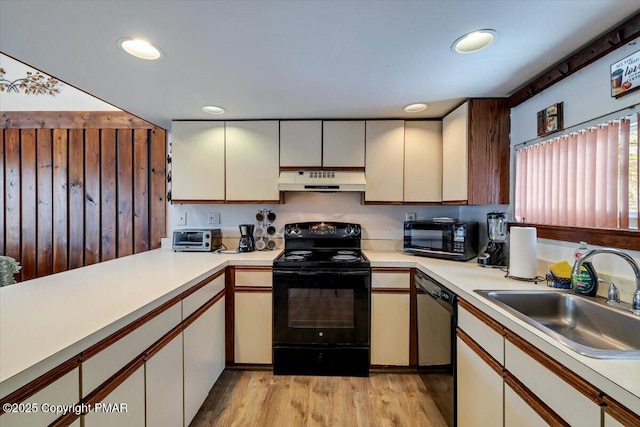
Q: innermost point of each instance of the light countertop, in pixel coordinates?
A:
(45, 321)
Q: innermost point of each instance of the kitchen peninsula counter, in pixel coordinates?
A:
(45, 321)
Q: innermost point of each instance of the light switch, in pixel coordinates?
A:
(181, 219)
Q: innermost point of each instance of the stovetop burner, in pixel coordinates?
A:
(345, 257)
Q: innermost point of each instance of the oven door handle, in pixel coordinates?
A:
(321, 272)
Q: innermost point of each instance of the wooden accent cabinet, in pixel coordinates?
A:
(476, 147)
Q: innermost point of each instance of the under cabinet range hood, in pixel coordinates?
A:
(322, 181)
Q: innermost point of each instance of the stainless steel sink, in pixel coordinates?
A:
(586, 325)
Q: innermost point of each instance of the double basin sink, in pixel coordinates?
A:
(586, 325)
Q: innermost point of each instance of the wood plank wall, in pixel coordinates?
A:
(77, 188)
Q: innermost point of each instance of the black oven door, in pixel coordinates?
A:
(321, 306)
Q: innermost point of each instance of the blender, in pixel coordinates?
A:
(246, 244)
(495, 255)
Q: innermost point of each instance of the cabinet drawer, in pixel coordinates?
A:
(98, 368)
(486, 336)
(201, 296)
(561, 397)
(400, 280)
(253, 278)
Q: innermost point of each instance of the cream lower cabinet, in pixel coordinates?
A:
(64, 391)
(390, 317)
(479, 389)
(164, 385)
(125, 406)
(518, 413)
(203, 352)
(252, 336)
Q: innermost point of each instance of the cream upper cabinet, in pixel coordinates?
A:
(252, 161)
(455, 154)
(198, 161)
(384, 160)
(300, 143)
(422, 161)
(343, 143)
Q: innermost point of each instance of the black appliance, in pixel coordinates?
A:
(495, 255)
(448, 239)
(247, 243)
(437, 320)
(321, 301)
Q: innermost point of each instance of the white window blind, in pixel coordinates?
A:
(581, 179)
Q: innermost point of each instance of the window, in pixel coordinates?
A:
(587, 178)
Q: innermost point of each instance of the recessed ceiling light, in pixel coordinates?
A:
(415, 108)
(474, 41)
(140, 48)
(212, 109)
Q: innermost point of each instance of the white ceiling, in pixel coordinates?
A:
(298, 59)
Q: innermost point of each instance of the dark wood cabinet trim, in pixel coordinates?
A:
(540, 408)
(390, 290)
(162, 342)
(206, 306)
(484, 318)
(413, 320)
(253, 268)
(253, 289)
(40, 383)
(299, 168)
(455, 202)
(196, 202)
(201, 284)
(229, 315)
(556, 367)
(392, 270)
(608, 42)
(620, 413)
(610, 237)
(477, 349)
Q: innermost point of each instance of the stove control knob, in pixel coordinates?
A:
(348, 230)
(287, 230)
(296, 230)
(356, 230)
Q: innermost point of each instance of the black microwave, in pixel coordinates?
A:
(447, 240)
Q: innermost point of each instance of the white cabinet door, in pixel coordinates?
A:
(197, 162)
(252, 327)
(423, 161)
(253, 161)
(570, 404)
(517, 413)
(343, 144)
(164, 387)
(390, 329)
(455, 166)
(384, 160)
(125, 405)
(609, 421)
(300, 143)
(203, 342)
(479, 388)
(64, 391)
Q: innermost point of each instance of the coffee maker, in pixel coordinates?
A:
(246, 244)
(495, 255)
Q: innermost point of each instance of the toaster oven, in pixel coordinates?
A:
(197, 240)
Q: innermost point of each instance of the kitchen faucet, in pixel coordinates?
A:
(635, 305)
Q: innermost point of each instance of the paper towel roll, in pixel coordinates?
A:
(523, 253)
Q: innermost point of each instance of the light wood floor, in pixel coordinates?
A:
(260, 399)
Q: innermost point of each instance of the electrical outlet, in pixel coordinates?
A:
(181, 219)
(410, 216)
(213, 218)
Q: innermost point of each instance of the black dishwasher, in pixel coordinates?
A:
(437, 318)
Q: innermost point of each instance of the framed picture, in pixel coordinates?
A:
(550, 119)
(625, 75)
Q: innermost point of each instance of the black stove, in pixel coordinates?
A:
(322, 301)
